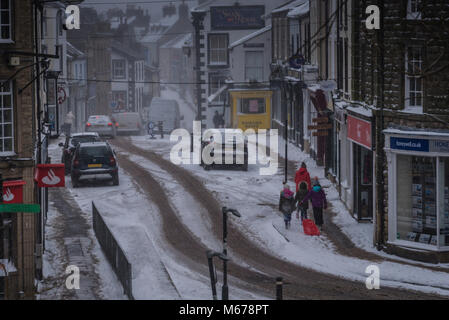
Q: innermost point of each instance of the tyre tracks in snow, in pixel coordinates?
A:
(303, 283)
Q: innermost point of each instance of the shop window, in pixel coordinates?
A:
(252, 105)
(443, 196)
(416, 181)
(6, 120)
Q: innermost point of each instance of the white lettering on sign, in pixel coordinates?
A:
(373, 280)
(373, 20)
(73, 280)
(73, 19)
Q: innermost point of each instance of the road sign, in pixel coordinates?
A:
(320, 119)
(320, 133)
(20, 207)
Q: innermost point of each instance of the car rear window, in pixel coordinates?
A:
(95, 151)
(82, 139)
(99, 119)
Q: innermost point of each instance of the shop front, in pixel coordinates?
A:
(418, 190)
(250, 109)
(359, 132)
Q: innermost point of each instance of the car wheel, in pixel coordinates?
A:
(115, 180)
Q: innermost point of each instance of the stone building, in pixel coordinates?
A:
(19, 232)
(401, 74)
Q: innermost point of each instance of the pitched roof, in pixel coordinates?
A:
(250, 36)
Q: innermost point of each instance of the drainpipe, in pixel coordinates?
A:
(380, 146)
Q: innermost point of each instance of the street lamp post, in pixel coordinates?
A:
(213, 278)
(225, 291)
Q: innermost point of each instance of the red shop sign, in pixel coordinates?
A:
(50, 175)
(13, 191)
(359, 131)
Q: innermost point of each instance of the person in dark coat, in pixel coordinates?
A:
(300, 195)
(318, 198)
(217, 119)
(287, 204)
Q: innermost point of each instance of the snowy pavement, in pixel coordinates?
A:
(256, 197)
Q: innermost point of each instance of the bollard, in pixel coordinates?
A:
(161, 129)
(279, 288)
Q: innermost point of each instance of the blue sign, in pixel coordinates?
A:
(409, 144)
(237, 17)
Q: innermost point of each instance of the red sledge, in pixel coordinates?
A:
(310, 228)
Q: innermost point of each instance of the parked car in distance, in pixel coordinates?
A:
(164, 110)
(94, 158)
(228, 146)
(101, 124)
(71, 142)
(128, 123)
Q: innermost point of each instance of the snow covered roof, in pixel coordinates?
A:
(361, 111)
(415, 132)
(290, 5)
(178, 42)
(250, 36)
(299, 11)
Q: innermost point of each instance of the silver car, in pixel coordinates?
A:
(101, 124)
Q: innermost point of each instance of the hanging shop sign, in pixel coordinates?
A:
(320, 133)
(359, 131)
(237, 17)
(50, 175)
(13, 191)
(62, 95)
(326, 126)
(420, 145)
(321, 119)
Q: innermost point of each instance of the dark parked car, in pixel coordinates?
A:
(70, 144)
(228, 147)
(94, 158)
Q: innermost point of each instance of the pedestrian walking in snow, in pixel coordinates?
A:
(287, 204)
(302, 175)
(300, 195)
(216, 120)
(68, 122)
(318, 198)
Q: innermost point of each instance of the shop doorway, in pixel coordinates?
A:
(363, 183)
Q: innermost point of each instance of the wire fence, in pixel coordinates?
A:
(114, 253)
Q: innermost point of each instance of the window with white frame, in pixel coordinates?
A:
(218, 49)
(254, 65)
(414, 9)
(118, 69)
(217, 81)
(413, 80)
(6, 119)
(5, 21)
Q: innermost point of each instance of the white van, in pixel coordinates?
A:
(164, 110)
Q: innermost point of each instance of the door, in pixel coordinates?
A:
(363, 183)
